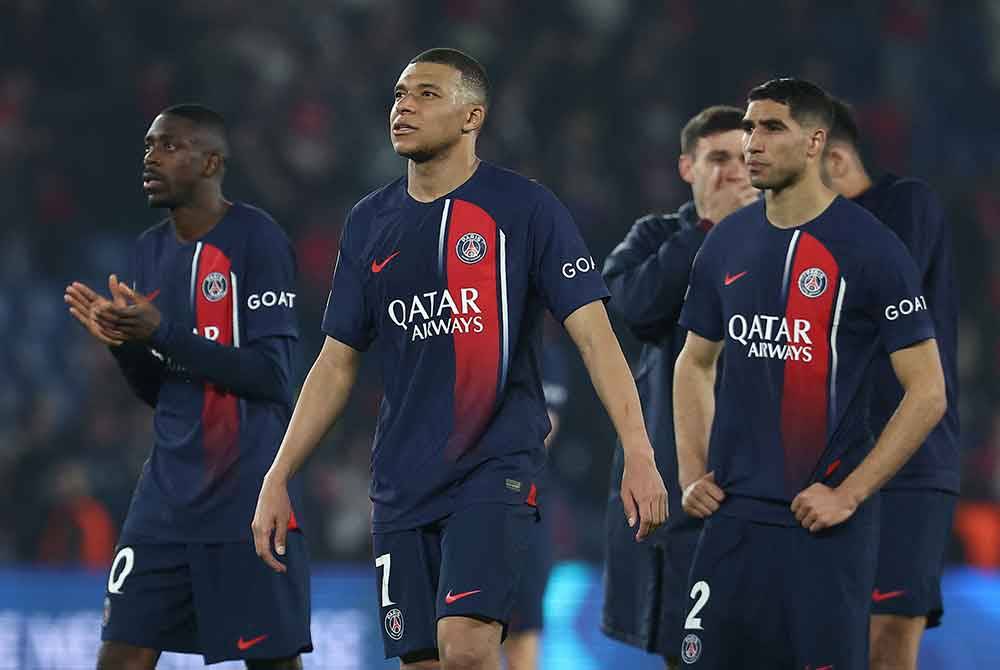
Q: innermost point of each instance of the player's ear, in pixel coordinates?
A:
(475, 117)
(836, 162)
(685, 166)
(816, 143)
(213, 165)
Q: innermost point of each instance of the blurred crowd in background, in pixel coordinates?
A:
(590, 96)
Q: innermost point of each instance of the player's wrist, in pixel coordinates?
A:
(161, 335)
(851, 493)
(638, 449)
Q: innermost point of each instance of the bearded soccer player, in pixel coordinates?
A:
(916, 505)
(645, 595)
(806, 289)
(206, 335)
(447, 271)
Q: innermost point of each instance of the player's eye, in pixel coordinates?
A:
(169, 146)
(430, 94)
(397, 95)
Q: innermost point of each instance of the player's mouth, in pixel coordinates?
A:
(755, 166)
(400, 128)
(152, 181)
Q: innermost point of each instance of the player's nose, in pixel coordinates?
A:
(405, 104)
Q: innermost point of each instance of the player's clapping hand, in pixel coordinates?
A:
(702, 497)
(820, 507)
(132, 315)
(643, 493)
(84, 304)
(274, 510)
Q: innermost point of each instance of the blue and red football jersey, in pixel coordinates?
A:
(451, 293)
(236, 287)
(803, 312)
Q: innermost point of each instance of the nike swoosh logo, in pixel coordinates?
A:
(152, 295)
(449, 599)
(730, 280)
(879, 597)
(377, 267)
(243, 645)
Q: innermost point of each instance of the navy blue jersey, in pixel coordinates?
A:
(648, 274)
(235, 287)
(452, 294)
(911, 210)
(803, 313)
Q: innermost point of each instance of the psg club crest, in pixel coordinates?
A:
(812, 282)
(394, 623)
(471, 248)
(691, 648)
(215, 287)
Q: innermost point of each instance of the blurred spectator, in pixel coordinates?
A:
(79, 528)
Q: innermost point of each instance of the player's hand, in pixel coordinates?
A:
(820, 507)
(84, 303)
(725, 195)
(131, 314)
(643, 494)
(702, 497)
(274, 509)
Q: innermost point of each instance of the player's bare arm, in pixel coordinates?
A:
(643, 493)
(694, 409)
(324, 395)
(918, 369)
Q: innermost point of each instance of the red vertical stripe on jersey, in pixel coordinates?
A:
(220, 414)
(805, 395)
(477, 354)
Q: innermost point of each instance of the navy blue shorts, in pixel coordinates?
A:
(915, 528)
(217, 600)
(527, 615)
(645, 584)
(467, 564)
(770, 596)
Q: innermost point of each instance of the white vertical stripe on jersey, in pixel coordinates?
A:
(441, 236)
(194, 270)
(788, 263)
(236, 310)
(504, 325)
(841, 290)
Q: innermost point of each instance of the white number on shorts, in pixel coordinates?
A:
(701, 591)
(385, 562)
(127, 556)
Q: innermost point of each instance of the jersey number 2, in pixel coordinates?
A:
(385, 562)
(701, 591)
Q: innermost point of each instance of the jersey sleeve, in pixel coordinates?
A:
(268, 298)
(347, 317)
(702, 310)
(648, 274)
(562, 269)
(896, 301)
